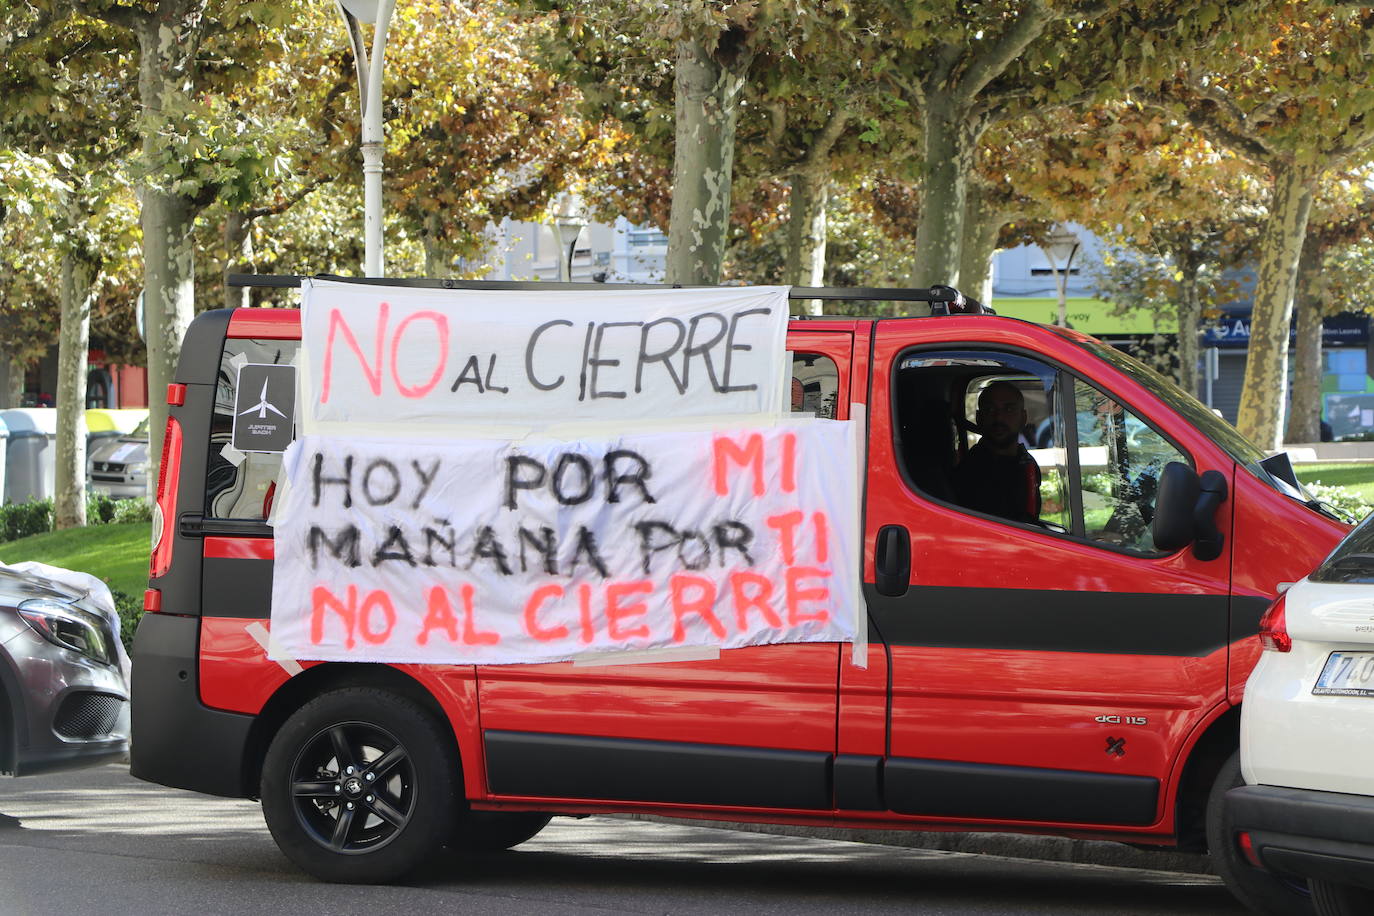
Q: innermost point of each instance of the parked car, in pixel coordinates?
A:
(64, 696)
(1076, 674)
(1307, 734)
(118, 465)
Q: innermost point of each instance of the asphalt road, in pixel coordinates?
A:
(99, 842)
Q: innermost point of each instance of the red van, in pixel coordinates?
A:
(1075, 672)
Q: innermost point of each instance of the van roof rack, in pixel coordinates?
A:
(944, 300)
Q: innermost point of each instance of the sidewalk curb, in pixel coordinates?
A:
(1009, 845)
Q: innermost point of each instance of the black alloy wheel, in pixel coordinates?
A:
(354, 787)
(359, 785)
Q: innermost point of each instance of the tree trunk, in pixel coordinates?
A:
(707, 92)
(948, 143)
(238, 257)
(982, 226)
(1305, 409)
(11, 379)
(167, 47)
(1261, 412)
(436, 261)
(1189, 318)
(806, 231)
(73, 346)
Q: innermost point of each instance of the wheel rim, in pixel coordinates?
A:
(353, 787)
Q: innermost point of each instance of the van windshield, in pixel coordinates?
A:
(1245, 453)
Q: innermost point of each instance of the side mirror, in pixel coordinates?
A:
(1174, 504)
(1186, 510)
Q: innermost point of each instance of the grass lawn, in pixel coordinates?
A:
(1358, 478)
(117, 554)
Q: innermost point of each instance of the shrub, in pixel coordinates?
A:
(132, 510)
(100, 509)
(130, 611)
(1347, 501)
(19, 520)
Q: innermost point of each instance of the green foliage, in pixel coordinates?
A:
(131, 510)
(20, 520)
(1356, 505)
(130, 609)
(100, 509)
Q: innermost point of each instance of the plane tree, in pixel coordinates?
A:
(1335, 274)
(963, 72)
(66, 103)
(1297, 102)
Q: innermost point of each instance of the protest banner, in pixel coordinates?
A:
(490, 552)
(389, 355)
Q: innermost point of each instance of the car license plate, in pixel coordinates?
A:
(1347, 674)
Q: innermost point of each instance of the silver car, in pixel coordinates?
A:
(64, 700)
(118, 465)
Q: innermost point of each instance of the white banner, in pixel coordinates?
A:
(532, 358)
(487, 552)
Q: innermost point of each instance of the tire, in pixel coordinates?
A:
(495, 831)
(326, 813)
(1260, 890)
(1332, 899)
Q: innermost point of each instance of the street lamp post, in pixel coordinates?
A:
(1060, 246)
(568, 223)
(377, 12)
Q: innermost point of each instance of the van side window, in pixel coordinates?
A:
(815, 385)
(1120, 458)
(241, 485)
(997, 434)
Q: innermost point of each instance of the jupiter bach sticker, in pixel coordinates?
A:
(264, 407)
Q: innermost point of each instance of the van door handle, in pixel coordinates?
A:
(892, 561)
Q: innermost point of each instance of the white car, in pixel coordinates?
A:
(1307, 735)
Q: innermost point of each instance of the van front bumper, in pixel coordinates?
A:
(177, 741)
(1308, 833)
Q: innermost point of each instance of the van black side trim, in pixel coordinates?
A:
(236, 588)
(944, 788)
(625, 769)
(176, 741)
(1044, 620)
(859, 783)
(1246, 611)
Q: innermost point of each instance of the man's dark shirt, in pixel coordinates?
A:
(1004, 485)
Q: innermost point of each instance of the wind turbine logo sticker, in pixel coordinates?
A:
(263, 405)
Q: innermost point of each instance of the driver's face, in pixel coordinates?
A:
(1001, 414)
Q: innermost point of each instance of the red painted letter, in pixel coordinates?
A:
(440, 325)
(796, 594)
(822, 526)
(376, 599)
(786, 525)
(471, 635)
(542, 594)
(616, 612)
(438, 616)
(700, 605)
(372, 374)
(584, 609)
(321, 600)
(729, 450)
(789, 463)
(762, 588)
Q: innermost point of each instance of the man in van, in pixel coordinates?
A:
(998, 476)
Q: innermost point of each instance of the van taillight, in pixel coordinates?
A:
(1273, 628)
(165, 509)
